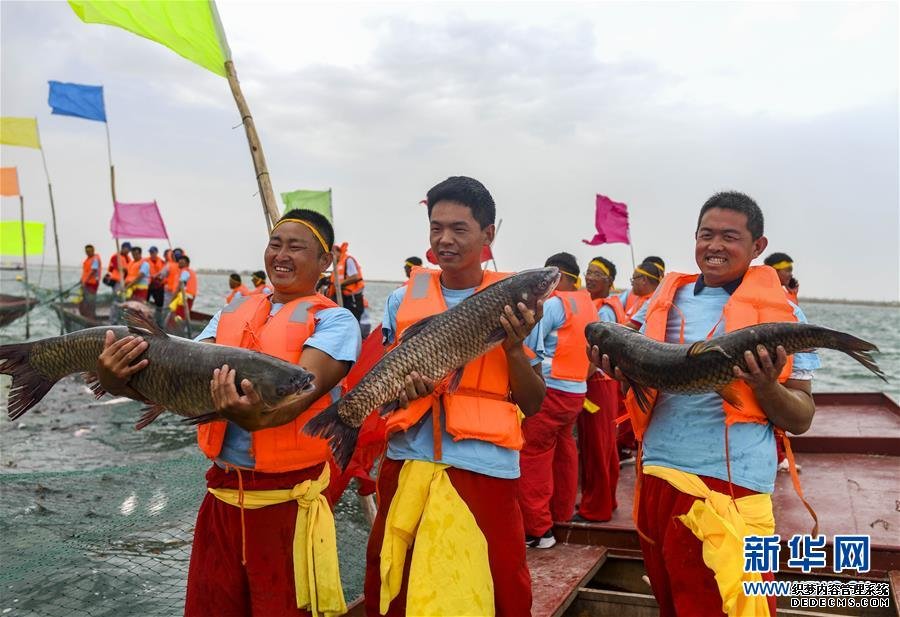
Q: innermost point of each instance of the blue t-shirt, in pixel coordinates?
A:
(554, 318)
(688, 430)
(336, 333)
(607, 314)
(417, 442)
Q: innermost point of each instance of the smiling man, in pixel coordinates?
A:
(700, 451)
(264, 468)
(448, 483)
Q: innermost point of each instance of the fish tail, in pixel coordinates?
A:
(341, 436)
(28, 385)
(856, 348)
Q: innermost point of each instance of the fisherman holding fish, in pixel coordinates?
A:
(250, 545)
(598, 458)
(548, 487)
(454, 457)
(714, 451)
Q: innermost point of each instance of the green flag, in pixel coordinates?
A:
(190, 28)
(11, 238)
(317, 201)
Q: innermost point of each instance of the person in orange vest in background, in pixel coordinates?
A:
(410, 263)
(238, 289)
(157, 289)
(549, 459)
(169, 275)
(707, 467)
(644, 282)
(187, 285)
(464, 463)
(258, 279)
(264, 469)
(598, 458)
(90, 281)
(118, 267)
(137, 280)
(350, 274)
(784, 266)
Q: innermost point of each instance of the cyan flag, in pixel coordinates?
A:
(77, 100)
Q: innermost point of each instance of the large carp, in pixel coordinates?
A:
(706, 366)
(176, 378)
(436, 347)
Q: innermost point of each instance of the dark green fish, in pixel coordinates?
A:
(435, 347)
(706, 366)
(176, 379)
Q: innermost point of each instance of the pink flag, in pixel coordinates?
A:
(611, 221)
(137, 221)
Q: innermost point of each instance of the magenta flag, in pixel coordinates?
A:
(137, 221)
(611, 220)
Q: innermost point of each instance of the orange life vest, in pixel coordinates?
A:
(190, 287)
(246, 323)
(156, 266)
(114, 266)
(340, 268)
(791, 295)
(87, 277)
(634, 302)
(172, 276)
(570, 362)
(261, 289)
(133, 273)
(758, 299)
(615, 303)
(241, 289)
(480, 408)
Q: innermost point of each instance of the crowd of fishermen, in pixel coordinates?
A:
(470, 480)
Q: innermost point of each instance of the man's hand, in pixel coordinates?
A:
(602, 361)
(517, 330)
(244, 409)
(114, 365)
(762, 374)
(414, 386)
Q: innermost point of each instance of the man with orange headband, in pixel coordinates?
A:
(784, 266)
(266, 486)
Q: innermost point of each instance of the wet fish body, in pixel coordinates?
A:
(436, 347)
(706, 366)
(176, 378)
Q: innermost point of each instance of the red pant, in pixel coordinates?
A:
(494, 506)
(218, 583)
(683, 585)
(139, 295)
(598, 456)
(549, 463)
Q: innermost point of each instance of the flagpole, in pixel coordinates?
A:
(112, 188)
(631, 246)
(53, 219)
(25, 263)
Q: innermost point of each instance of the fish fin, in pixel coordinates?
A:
(415, 328)
(730, 393)
(455, 378)
(138, 323)
(28, 385)
(341, 436)
(389, 407)
(203, 419)
(640, 394)
(92, 380)
(151, 413)
(702, 347)
(495, 336)
(856, 348)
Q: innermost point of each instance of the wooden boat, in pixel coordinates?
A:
(13, 307)
(72, 319)
(850, 459)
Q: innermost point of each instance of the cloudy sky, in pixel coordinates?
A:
(658, 105)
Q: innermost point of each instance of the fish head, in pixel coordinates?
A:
(531, 286)
(601, 334)
(283, 386)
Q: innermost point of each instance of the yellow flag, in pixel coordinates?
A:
(11, 238)
(19, 132)
(190, 28)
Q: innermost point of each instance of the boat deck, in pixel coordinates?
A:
(558, 573)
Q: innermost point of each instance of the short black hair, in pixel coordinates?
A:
(468, 192)
(738, 202)
(566, 262)
(775, 258)
(88, 246)
(259, 274)
(609, 266)
(653, 268)
(656, 260)
(416, 261)
(186, 258)
(234, 276)
(137, 248)
(125, 245)
(319, 221)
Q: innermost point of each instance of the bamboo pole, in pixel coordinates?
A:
(53, 218)
(25, 265)
(270, 208)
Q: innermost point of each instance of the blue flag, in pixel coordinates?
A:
(77, 100)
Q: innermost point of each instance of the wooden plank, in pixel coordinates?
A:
(557, 573)
(894, 578)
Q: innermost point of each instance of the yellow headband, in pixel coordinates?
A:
(647, 274)
(307, 225)
(782, 265)
(574, 276)
(410, 264)
(602, 266)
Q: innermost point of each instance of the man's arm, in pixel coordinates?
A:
(525, 382)
(790, 405)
